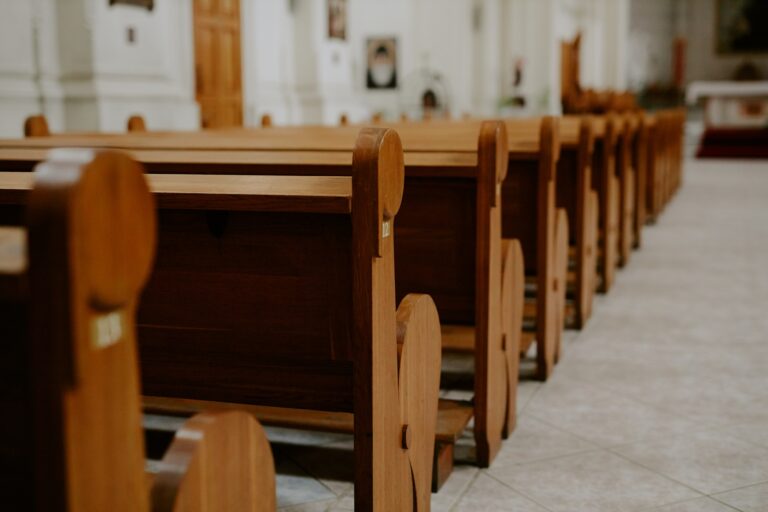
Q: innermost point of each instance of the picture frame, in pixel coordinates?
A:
(381, 63)
(147, 4)
(337, 19)
(741, 27)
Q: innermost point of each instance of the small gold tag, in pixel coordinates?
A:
(107, 329)
(385, 229)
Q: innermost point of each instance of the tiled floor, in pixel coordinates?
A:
(660, 404)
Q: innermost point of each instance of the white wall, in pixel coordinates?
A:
(153, 76)
(434, 35)
(70, 60)
(76, 65)
(19, 91)
(269, 77)
(651, 37)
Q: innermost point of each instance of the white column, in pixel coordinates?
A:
(268, 61)
(323, 68)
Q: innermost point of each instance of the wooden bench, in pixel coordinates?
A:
(580, 201)
(136, 124)
(529, 215)
(627, 175)
(533, 152)
(449, 244)
(665, 156)
(606, 184)
(72, 436)
(641, 157)
(284, 286)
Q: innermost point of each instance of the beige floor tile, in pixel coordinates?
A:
(756, 433)
(332, 465)
(591, 482)
(454, 488)
(486, 493)
(525, 391)
(747, 499)
(600, 416)
(296, 487)
(710, 462)
(696, 505)
(317, 506)
(535, 440)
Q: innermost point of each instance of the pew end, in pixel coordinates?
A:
(136, 124)
(36, 126)
(213, 461)
(512, 304)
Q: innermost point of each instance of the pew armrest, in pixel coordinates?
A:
(216, 461)
(419, 358)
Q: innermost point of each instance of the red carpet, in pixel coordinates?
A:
(734, 143)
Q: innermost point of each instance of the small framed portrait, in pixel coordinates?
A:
(742, 26)
(337, 19)
(147, 4)
(381, 71)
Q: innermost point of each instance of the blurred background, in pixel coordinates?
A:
(87, 65)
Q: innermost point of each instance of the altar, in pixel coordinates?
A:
(731, 104)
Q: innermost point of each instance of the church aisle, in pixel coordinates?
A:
(661, 403)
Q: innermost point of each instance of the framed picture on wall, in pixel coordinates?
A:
(742, 26)
(381, 69)
(147, 4)
(337, 19)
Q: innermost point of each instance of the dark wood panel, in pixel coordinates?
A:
(568, 188)
(435, 245)
(260, 290)
(519, 208)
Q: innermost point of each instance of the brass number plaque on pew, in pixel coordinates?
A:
(107, 329)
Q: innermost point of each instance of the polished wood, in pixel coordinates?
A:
(627, 176)
(80, 447)
(215, 461)
(640, 159)
(561, 274)
(529, 216)
(36, 126)
(136, 124)
(449, 207)
(217, 62)
(665, 155)
(306, 194)
(606, 184)
(576, 195)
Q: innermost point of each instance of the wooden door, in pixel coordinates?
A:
(217, 62)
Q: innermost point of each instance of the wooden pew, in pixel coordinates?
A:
(580, 201)
(627, 176)
(529, 215)
(36, 126)
(665, 156)
(72, 435)
(573, 194)
(136, 124)
(449, 245)
(640, 158)
(305, 266)
(606, 184)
